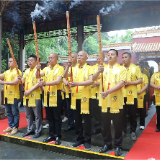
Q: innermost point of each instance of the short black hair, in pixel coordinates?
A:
(127, 53)
(33, 56)
(15, 59)
(114, 50)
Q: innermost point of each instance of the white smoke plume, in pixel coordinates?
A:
(114, 7)
(15, 19)
(74, 3)
(42, 11)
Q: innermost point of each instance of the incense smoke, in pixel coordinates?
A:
(42, 11)
(74, 3)
(15, 19)
(114, 7)
(47, 6)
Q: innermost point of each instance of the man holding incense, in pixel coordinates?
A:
(32, 98)
(82, 79)
(11, 96)
(53, 75)
(114, 77)
(68, 97)
(134, 77)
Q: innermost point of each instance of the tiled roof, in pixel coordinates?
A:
(117, 45)
(146, 32)
(145, 47)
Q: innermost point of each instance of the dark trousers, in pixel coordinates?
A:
(142, 112)
(96, 113)
(158, 116)
(70, 112)
(64, 106)
(106, 128)
(12, 113)
(78, 124)
(54, 117)
(131, 110)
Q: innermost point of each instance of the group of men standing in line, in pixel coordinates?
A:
(124, 91)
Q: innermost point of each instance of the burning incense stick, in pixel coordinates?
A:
(100, 46)
(14, 60)
(69, 41)
(69, 35)
(36, 44)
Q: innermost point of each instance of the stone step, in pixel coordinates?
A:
(64, 148)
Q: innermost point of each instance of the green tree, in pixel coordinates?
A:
(91, 45)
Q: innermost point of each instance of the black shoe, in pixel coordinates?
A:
(97, 131)
(46, 140)
(157, 130)
(87, 146)
(105, 149)
(37, 135)
(77, 144)
(28, 133)
(69, 129)
(118, 151)
(58, 142)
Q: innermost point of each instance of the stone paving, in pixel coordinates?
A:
(14, 151)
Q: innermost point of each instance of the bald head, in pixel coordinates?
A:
(74, 58)
(54, 54)
(53, 58)
(82, 57)
(84, 53)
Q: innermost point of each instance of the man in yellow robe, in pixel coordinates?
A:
(155, 83)
(141, 91)
(114, 77)
(32, 98)
(52, 83)
(134, 77)
(11, 96)
(82, 79)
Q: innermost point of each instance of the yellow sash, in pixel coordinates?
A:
(93, 91)
(73, 98)
(53, 96)
(32, 100)
(115, 103)
(157, 94)
(62, 94)
(157, 97)
(67, 91)
(130, 95)
(140, 101)
(45, 96)
(85, 100)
